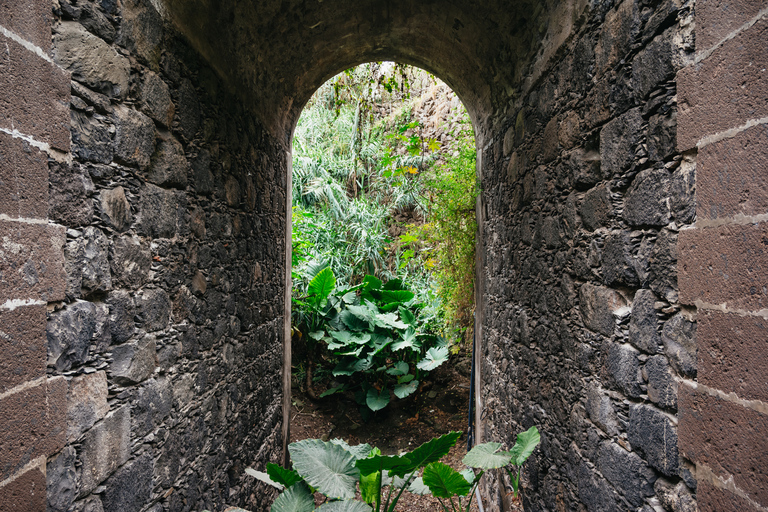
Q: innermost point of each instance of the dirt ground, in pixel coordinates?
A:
(441, 406)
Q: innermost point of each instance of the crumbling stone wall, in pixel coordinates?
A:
(585, 336)
(163, 341)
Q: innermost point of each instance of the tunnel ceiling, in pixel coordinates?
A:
(275, 54)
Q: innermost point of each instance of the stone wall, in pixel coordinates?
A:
(585, 194)
(168, 335)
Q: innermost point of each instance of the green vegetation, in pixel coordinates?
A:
(338, 471)
(383, 235)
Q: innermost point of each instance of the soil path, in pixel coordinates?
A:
(440, 406)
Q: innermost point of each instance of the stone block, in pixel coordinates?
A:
(96, 22)
(714, 499)
(601, 411)
(662, 266)
(121, 313)
(724, 90)
(130, 488)
(647, 200)
(643, 324)
(618, 141)
(30, 20)
(115, 208)
(90, 60)
(731, 177)
(618, 260)
(662, 135)
(130, 261)
(597, 305)
(682, 193)
(92, 137)
(134, 137)
(716, 19)
(104, 448)
(155, 98)
(656, 63)
(86, 403)
(169, 167)
(22, 345)
(61, 480)
(188, 111)
(151, 405)
(727, 263)
(160, 211)
(662, 386)
(652, 433)
(733, 356)
(675, 497)
(627, 472)
(203, 177)
(141, 31)
(154, 309)
(32, 261)
(679, 338)
(34, 424)
(91, 503)
(23, 179)
(134, 362)
(88, 263)
(727, 437)
(24, 494)
(44, 113)
(596, 209)
(619, 31)
(623, 365)
(69, 201)
(595, 491)
(70, 331)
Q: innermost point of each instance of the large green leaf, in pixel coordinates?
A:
(376, 400)
(406, 388)
(344, 506)
(408, 340)
(389, 321)
(296, 499)
(346, 337)
(353, 321)
(444, 481)
(431, 451)
(394, 284)
(400, 367)
(407, 316)
(399, 296)
(417, 487)
(526, 443)
(434, 358)
(370, 487)
(487, 456)
(381, 463)
(371, 283)
(327, 467)
(279, 474)
(322, 285)
(263, 477)
(358, 451)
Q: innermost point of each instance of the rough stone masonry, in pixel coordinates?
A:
(144, 202)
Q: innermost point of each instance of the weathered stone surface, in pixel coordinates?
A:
(115, 208)
(188, 112)
(656, 63)
(618, 261)
(151, 405)
(154, 309)
(27, 492)
(662, 387)
(32, 259)
(647, 201)
(651, 432)
(597, 305)
(92, 137)
(663, 266)
(121, 313)
(662, 135)
(643, 324)
(594, 490)
(134, 362)
(627, 472)
(130, 487)
(169, 166)
(201, 167)
(585, 168)
(91, 503)
(601, 411)
(96, 22)
(104, 448)
(23, 179)
(130, 261)
(69, 335)
(86, 403)
(134, 137)
(94, 263)
(61, 480)
(675, 497)
(595, 210)
(23, 345)
(199, 284)
(618, 142)
(141, 31)
(159, 211)
(90, 60)
(156, 99)
(68, 198)
(624, 367)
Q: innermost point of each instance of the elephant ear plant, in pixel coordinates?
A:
(338, 471)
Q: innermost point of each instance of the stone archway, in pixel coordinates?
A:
(143, 213)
